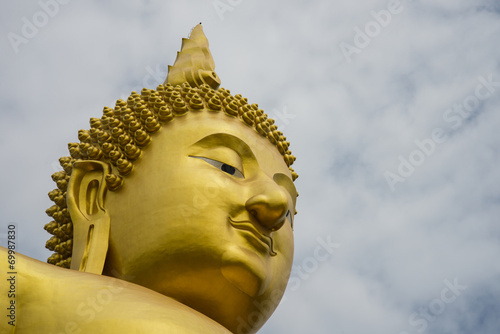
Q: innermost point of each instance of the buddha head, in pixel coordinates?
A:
(186, 190)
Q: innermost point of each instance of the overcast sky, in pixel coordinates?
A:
(390, 107)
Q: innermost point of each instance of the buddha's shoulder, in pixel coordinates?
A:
(55, 300)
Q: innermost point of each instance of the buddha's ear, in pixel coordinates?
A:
(85, 199)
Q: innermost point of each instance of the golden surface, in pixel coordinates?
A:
(194, 63)
(168, 226)
(53, 300)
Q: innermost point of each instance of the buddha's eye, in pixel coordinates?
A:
(228, 169)
(223, 167)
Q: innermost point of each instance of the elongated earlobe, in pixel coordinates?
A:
(86, 192)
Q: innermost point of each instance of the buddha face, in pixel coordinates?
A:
(206, 217)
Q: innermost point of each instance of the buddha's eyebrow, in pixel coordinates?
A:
(227, 140)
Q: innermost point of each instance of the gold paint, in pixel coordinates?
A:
(195, 102)
(124, 140)
(84, 136)
(200, 232)
(116, 132)
(231, 108)
(95, 123)
(179, 107)
(114, 123)
(134, 126)
(66, 163)
(145, 114)
(128, 117)
(152, 124)
(165, 115)
(194, 63)
(104, 137)
(115, 155)
(94, 153)
(62, 184)
(132, 152)
(108, 112)
(114, 182)
(124, 166)
(74, 150)
(142, 138)
(107, 148)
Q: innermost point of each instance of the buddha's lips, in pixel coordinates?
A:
(248, 226)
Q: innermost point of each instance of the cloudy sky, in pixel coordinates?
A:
(390, 107)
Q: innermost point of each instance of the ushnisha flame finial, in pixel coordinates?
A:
(194, 63)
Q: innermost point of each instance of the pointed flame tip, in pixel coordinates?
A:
(194, 63)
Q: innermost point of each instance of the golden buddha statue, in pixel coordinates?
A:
(174, 214)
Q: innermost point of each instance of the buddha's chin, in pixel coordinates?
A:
(246, 270)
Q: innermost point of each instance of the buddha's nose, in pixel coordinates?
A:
(269, 207)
